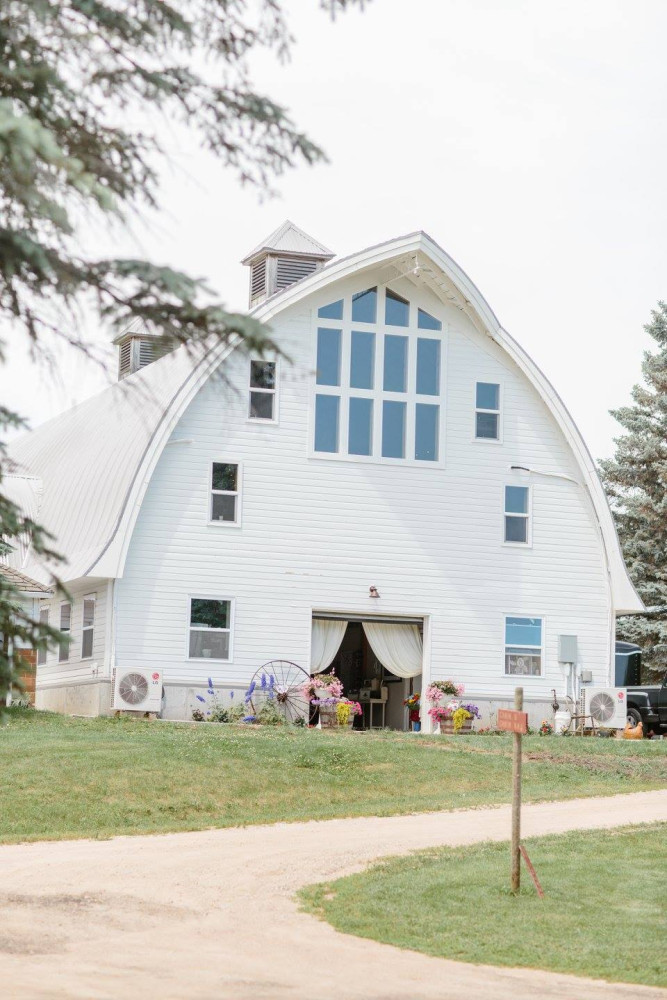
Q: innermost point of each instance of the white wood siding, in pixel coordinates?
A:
(75, 670)
(317, 532)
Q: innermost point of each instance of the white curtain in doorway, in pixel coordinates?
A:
(326, 639)
(399, 648)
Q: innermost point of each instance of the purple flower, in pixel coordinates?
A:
(248, 694)
(231, 695)
(199, 698)
(250, 718)
(263, 682)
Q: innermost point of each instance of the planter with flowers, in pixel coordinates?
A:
(325, 691)
(453, 716)
(346, 711)
(414, 712)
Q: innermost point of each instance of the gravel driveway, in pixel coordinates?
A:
(212, 915)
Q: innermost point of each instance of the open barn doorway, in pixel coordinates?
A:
(366, 679)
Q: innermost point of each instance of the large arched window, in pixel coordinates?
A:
(379, 379)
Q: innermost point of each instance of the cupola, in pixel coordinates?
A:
(138, 345)
(286, 256)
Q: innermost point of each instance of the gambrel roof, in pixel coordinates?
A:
(96, 460)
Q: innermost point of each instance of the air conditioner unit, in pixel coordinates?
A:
(137, 690)
(607, 707)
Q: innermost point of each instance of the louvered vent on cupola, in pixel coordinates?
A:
(138, 347)
(286, 256)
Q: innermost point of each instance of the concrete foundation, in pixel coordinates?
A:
(90, 699)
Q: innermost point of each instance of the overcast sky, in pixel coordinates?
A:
(527, 138)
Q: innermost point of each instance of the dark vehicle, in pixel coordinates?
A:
(647, 703)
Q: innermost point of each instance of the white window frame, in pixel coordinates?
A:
(236, 523)
(189, 628)
(378, 394)
(268, 392)
(527, 516)
(88, 628)
(524, 677)
(480, 409)
(42, 654)
(67, 632)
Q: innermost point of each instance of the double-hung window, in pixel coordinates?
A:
(487, 411)
(225, 493)
(517, 515)
(262, 390)
(43, 620)
(523, 646)
(65, 628)
(210, 629)
(88, 628)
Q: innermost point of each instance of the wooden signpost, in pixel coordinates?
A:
(515, 721)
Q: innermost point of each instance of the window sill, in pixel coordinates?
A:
(263, 421)
(517, 545)
(205, 659)
(477, 440)
(223, 524)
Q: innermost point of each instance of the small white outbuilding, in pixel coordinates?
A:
(401, 493)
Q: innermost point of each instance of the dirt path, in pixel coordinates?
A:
(212, 915)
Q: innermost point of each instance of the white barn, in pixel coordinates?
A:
(212, 524)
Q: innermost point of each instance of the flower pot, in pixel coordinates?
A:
(447, 727)
(416, 727)
(328, 716)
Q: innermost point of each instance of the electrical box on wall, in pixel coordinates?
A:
(567, 649)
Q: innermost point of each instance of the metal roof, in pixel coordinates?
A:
(289, 239)
(96, 460)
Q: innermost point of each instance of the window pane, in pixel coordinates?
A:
(427, 322)
(224, 476)
(364, 306)
(223, 507)
(360, 433)
(395, 362)
(487, 425)
(428, 367)
(522, 662)
(516, 529)
(333, 311)
(65, 616)
(210, 645)
(523, 631)
(87, 643)
(393, 429)
(328, 357)
(362, 360)
(88, 613)
(263, 374)
(326, 423)
(396, 310)
(214, 614)
(488, 395)
(516, 499)
(426, 432)
(261, 405)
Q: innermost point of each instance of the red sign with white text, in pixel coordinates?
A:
(512, 721)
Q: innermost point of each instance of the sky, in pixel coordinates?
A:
(528, 139)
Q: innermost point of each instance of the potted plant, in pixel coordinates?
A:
(346, 711)
(414, 711)
(454, 717)
(324, 691)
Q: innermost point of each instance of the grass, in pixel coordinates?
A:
(65, 777)
(603, 916)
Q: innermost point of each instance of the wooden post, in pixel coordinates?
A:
(516, 798)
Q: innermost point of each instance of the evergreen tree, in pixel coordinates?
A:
(74, 75)
(636, 482)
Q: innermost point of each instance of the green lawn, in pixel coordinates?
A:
(604, 914)
(65, 777)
